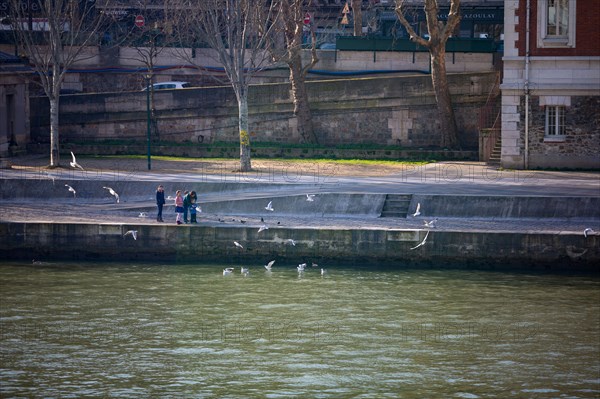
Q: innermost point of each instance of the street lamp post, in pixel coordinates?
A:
(148, 77)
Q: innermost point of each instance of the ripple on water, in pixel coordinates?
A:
(359, 334)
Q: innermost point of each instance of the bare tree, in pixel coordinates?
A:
(292, 21)
(147, 42)
(357, 17)
(53, 42)
(239, 32)
(436, 44)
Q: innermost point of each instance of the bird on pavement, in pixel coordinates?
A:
(431, 224)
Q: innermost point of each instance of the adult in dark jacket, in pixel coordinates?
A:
(160, 201)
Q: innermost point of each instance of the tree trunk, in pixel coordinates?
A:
(357, 17)
(245, 165)
(449, 134)
(436, 44)
(54, 141)
(300, 98)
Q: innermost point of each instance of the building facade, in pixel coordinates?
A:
(551, 84)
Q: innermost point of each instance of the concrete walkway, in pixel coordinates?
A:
(466, 198)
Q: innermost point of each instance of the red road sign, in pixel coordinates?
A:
(139, 21)
(306, 19)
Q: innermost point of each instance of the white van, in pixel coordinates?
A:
(169, 85)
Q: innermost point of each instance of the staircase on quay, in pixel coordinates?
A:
(396, 205)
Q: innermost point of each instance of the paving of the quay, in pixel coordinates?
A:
(271, 182)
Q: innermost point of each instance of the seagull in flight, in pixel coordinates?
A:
(310, 197)
(323, 272)
(269, 265)
(74, 163)
(431, 224)
(291, 241)
(245, 270)
(263, 228)
(113, 192)
(418, 210)
(237, 244)
(49, 176)
(422, 242)
(269, 206)
(588, 231)
(301, 267)
(143, 215)
(71, 189)
(132, 233)
(227, 270)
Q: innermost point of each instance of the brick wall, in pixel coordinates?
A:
(587, 31)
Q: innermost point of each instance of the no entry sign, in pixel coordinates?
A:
(306, 19)
(139, 21)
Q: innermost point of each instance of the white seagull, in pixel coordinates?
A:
(269, 265)
(269, 206)
(74, 163)
(143, 215)
(290, 241)
(588, 231)
(245, 270)
(113, 192)
(301, 267)
(323, 272)
(418, 210)
(422, 242)
(71, 189)
(431, 224)
(237, 244)
(227, 270)
(263, 228)
(132, 233)
(49, 176)
(310, 197)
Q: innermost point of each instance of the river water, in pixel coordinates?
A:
(151, 330)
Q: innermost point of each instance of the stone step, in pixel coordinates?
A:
(396, 205)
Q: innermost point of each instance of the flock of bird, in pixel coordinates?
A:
(76, 165)
(245, 271)
(431, 224)
(269, 267)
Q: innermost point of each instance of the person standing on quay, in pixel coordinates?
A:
(186, 205)
(193, 198)
(179, 207)
(160, 201)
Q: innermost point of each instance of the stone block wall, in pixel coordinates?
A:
(381, 110)
(580, 147)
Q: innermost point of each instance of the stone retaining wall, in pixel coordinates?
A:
(398, 111)
(362, 247)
